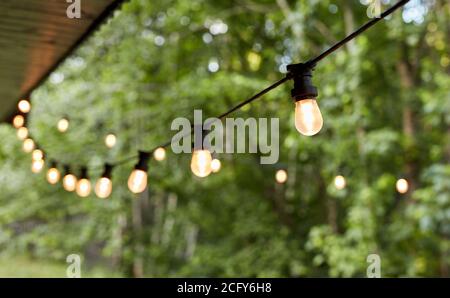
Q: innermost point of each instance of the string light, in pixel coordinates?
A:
(215, 165)
(137, 182)
(37, 154)
(24, 106)
(281, 176)
(22, 133)
(69, 180)
(201, 162)
(201, 156)
(18, 121)
(339, 182)
(110, 140)
(83, 187)
(308, 119)
(63, 125)
(37, 166)
(103, 187)
(53, 174)
(402, 186)
(28, 145)
(159, 154)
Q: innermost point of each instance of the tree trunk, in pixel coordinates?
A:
(118, 232)
(406, 75)
(138, 245)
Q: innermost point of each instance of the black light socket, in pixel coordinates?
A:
(53, 164)
(84, 173)
(66, 170)
(199, 138)
(108, 171)
(303, 86)
(142, 164)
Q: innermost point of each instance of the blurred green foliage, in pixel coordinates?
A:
(384, 98)
(24, 267)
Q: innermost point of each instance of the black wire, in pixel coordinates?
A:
(254, 97)
(309, 63)
(124, 161)
(223, 115)
(357, 32)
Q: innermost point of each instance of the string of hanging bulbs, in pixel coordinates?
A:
(340, 182)
(308, 121)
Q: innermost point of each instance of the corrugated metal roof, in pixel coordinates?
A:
(35, 36)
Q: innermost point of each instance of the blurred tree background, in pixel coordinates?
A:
(385, 99)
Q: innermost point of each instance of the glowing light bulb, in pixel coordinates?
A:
(22, 133)
(308, 119)
(201, 163)
(110, 140)
(18, 121)
(137, 181)
(63, 125)
(339, 182)
(159, 154)
(83, 187)
(53, 175)
(103, 187)
(24, 106)
(281, 176)
(215, 165)
(37, 166)
(37, 154)
(69, 182)
(402, 186)
(28, 145)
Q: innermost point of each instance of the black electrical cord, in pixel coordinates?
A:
(295, 69)
(357, 32)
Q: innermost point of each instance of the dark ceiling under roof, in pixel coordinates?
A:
(35, 36)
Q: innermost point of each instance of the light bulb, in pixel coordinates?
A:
(37, 166)
(103, 187)
(83, 187)
(24, 106)
(28, 145)
(402, 186)
(201, 163)
(281, 176)
(110, 140)
(215, 165)
(159, 154)
(22, 133)
(339, 182)
(53, 175)
(137, 181)
(37, 154)
(308, 119)
(69, 182)
(18, 121)
(63, 125)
